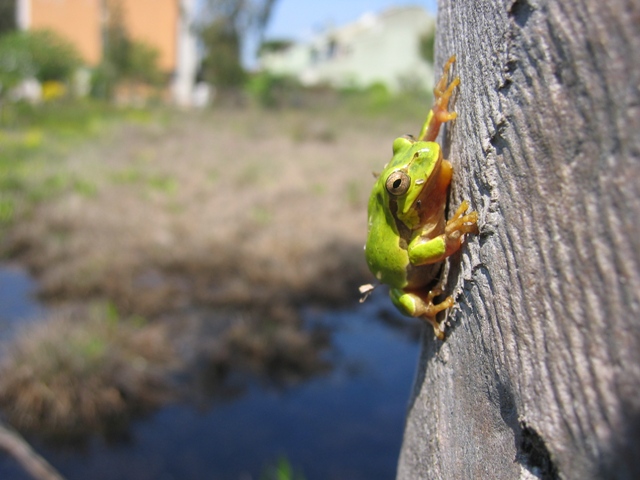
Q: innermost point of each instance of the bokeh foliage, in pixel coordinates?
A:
(41, 54)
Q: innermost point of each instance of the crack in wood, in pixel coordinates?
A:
(534, 455)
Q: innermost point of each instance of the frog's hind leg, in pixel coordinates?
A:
(415, 305)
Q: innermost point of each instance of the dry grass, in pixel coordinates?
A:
(74, 375)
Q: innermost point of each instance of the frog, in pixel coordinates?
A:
(408, 237)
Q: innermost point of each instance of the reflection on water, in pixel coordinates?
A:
(17, 304)
(346, 423)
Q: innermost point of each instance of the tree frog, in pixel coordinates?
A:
(408, 236)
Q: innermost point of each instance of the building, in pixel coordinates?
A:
(163, 24)
(377, 48)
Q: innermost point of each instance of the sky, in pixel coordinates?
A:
(300, 19)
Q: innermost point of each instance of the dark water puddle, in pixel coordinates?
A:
(346, 423)
(17, 302)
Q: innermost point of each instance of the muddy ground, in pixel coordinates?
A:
(226, 222)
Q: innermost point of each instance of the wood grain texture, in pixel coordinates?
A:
(540, 374)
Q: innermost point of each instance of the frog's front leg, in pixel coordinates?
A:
(435, 250)
(414, 305)
(439, 113)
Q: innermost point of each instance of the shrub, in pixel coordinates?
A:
(42, 54)
(16, 63)
(272, 91)
(74, 375)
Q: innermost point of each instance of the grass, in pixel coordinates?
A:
(163, 183)
(127, 175)
(34, 139)
(83, 371)
(377, 103)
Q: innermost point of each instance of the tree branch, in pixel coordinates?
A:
(18, 448)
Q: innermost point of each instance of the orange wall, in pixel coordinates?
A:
(77, 20)
(154, 22)
(151, 21)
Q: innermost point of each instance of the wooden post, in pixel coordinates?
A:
(540, 374)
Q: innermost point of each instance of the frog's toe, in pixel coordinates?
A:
(415, 305)
(461, 223)
(437, 327)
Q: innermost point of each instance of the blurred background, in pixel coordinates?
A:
(183, 194)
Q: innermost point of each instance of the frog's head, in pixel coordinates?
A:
(408, 175)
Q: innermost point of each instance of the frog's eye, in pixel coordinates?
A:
(398, 183)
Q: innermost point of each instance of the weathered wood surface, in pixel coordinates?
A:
(540, 374)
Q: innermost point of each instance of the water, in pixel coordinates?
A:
(17, 303)
(346, 423)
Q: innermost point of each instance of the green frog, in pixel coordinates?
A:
(408, 235)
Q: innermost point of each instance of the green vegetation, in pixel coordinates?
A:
(221, 65)
(124, 60)
(43, 55)
(281, 470)
(35, 138)
(270, 46)
(82, 372)
(378, 101)
(163, 183)
(271, 91)
(228, 24)
(7, 16)
(128, 175)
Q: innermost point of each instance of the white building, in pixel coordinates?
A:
(377, 48)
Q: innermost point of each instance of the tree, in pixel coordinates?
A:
(7, 16)
(55, 57)
(274, 46)
(124, 59)
(228, 25)
(243, 16)
(221, 65)
(540, 373)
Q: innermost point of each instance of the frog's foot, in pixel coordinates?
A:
(439, 113)
(442, 93)
(415, 305)
(459, 225)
